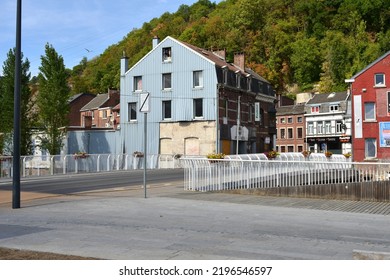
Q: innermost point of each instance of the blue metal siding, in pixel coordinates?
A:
(151, 67)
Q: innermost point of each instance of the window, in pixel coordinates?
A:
(132, 111)
(282, 120)
(282, 133)
(198, 108)
(104, 114)
(380, 79)
(310, 128)
(166, 54)
(300, 148)
(138, 83)
(93, 114)
(261, 87)
(198, 78)
(166, 110)
(369, 111)
(328, 127)
(290, 133)
(299, 119)
(370, 148)
(290, 149)
(315, 109)
(290, 120)
(339, 126)
(320, 127)
(226, 108)
(167, 81)
(282, 149)
(334, 108)
(238, 80)
(251, 113)
(299, 132)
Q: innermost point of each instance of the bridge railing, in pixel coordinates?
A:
(229, 174)
(33, 166)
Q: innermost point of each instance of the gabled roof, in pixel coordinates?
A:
(332, 97)
(76, 96)
(96, 103)
(221, 62)
(370, 65)
(208, 55)
(297, 109)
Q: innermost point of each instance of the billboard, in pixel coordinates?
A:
(384, 134)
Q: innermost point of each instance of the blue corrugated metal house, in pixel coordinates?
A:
(195, 95)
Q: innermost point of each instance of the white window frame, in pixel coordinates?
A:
(310, 128)
(165, 81)
(164, 112)
(130, 106)
(197, 79)
(315, 109)
(196, 116)
(137, 83)
(283, 135)
(366, 117)
(167, 54)
(376, 76)
(366, 147)
(334, 108)
(328, 127)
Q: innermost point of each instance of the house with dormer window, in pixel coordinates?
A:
(370, 89)
(199, 103)
(328, 123)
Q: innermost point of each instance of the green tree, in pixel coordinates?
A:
(7, 103)
(52, 99)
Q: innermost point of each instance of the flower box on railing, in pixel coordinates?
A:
(138, 154)
(5, 158)
(80, 155)
(272, 154)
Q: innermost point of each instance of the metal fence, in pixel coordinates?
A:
(32, 166)
(232, 174)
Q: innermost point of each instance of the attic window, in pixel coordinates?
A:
(331, 95)
(167, 54)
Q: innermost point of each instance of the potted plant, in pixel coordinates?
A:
(272, 154)
(347, 155)
(328, 154)
(80, 155)
(217, 156)
(306, 154)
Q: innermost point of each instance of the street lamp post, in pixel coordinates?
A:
(16, 140)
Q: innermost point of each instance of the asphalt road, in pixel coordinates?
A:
(68, 184)
(105, 216)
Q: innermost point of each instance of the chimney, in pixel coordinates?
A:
(155, 41)
(239, 60)
(221, 53)
(124, 64)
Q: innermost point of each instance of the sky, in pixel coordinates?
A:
(75, 28)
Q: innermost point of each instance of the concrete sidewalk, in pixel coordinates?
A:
(175, 224)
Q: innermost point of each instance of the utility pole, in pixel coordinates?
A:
(17, 85)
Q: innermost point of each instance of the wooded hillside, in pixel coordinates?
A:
(301, 44)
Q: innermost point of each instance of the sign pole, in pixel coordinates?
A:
(145, 108)
(145, 150)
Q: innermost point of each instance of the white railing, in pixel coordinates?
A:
(228, 174)
(67, 164)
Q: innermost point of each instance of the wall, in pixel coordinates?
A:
(92, 142)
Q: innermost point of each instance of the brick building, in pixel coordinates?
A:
(371, 111)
